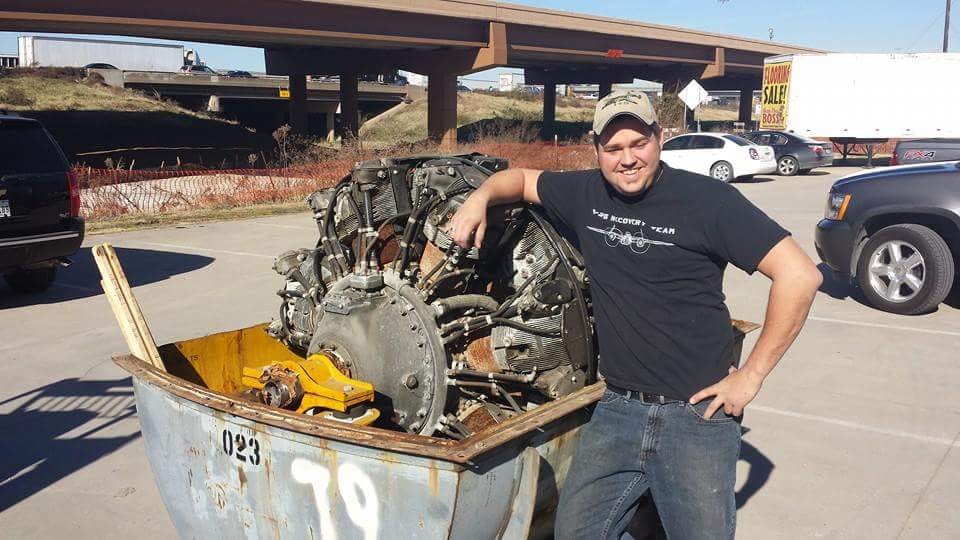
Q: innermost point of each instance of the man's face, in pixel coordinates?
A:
(628, 152)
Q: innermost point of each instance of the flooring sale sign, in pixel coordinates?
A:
(776, 93)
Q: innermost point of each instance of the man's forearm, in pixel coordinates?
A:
(787, 308)
(504, 187)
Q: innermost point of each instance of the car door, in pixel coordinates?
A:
(705, 150)
(780, 145)
(675, 150)
(763, 139)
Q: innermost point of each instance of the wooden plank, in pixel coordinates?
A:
(127, 328)
(125, 308)
(150, 346)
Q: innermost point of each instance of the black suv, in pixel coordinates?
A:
(40, 224)
(896, 232)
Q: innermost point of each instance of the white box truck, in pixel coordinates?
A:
(862, 98)
(41, 51)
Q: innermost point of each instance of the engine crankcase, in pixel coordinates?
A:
(389, 338)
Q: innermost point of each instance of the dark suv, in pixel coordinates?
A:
(896, 232)
(40, 224)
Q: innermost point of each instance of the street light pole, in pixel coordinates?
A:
(946, 29)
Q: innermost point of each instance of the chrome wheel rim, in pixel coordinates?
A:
(897, 271)
(721, 172)
(787, 166)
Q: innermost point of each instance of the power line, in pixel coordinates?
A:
(922, 35)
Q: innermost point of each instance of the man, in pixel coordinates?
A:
(656, 241)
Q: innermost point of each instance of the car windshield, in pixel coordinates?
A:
(738, 139)
(28, 150)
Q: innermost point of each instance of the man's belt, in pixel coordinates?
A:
(644, 397)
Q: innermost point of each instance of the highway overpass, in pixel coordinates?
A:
(439, 38)
(260, 102)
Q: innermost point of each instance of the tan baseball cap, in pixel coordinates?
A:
(629, 102)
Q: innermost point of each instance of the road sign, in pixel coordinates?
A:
(693, 95)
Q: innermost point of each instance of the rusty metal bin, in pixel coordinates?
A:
(230, 468)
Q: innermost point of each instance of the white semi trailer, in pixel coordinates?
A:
(863, 98)
(42, 51)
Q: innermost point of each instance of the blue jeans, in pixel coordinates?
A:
(687, 462)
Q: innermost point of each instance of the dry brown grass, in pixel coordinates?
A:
(407, 123)
(720, 113)
(542, 156)
(63, 89)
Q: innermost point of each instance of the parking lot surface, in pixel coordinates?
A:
(854, 435)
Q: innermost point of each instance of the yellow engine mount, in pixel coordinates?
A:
(309, 384)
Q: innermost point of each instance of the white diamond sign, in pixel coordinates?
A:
(693, 94)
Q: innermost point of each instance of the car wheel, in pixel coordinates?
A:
(33, 280)
(905, 269)
(722, 171)
(788, 166)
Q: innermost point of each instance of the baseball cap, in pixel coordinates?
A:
(629, 102)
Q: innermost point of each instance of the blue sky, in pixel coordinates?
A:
(838, 25)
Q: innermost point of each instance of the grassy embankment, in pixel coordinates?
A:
(89, 119)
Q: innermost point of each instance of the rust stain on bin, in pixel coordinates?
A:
(434, 479)
(333, 488)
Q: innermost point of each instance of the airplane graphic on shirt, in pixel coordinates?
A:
(638, 244)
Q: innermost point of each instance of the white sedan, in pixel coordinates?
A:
(719, 155)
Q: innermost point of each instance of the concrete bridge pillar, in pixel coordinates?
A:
(349, 105)
(746, 107)
(442, 109)
(606, 87)
(549, 111)
(329, 125)
(298, 104)
(213, 104)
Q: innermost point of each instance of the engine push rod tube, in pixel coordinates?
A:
(491, 376)
(494, 388)
(328, 244)
(416, 222)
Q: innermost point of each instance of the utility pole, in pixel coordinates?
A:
(946, 29)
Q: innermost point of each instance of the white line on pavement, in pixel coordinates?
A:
(208, 250)
(295, 227)
(886, 326)
(855, 425)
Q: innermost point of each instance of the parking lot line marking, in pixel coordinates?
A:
(854, 425)
(208, 250)
(886, 326)
(295, 227)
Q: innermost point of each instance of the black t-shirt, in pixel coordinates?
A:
(656, 264)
